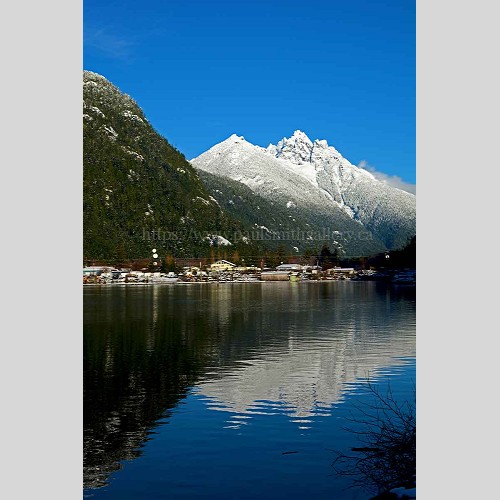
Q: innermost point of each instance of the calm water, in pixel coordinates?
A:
(203, 390)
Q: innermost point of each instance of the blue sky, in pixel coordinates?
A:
(201, 70)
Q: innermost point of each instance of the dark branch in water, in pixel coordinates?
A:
(388, 432)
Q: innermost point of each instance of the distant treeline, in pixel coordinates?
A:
(398, 259)
(324, 257)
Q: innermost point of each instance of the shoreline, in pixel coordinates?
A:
(248, 282)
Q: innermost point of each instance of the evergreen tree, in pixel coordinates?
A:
(326, 259)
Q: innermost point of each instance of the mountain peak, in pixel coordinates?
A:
(298, 137)
(92, 74)
(235, 139)
(298, 134)
(298, 148)
(323, 143)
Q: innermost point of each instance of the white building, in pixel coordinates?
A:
(222, 265)
(289, 267)
(94, 270)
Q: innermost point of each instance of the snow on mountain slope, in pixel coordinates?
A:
(281, 182)
(385, 210)
(314, 177)
(263, 173)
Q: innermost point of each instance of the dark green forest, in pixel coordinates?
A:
(139, 191)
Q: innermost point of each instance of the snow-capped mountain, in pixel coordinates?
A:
(385, 210)
(311, 177)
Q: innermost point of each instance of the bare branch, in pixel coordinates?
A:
(387, 430)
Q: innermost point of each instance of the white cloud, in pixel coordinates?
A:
(391, 180)
(110, 44)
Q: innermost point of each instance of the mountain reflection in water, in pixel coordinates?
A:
(245, 349)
